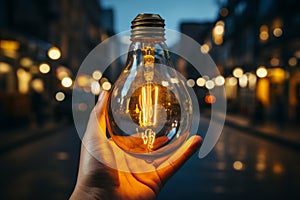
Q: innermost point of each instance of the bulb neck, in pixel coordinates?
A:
(148, 27)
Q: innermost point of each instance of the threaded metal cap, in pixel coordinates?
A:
(148, 26)
(148, 20)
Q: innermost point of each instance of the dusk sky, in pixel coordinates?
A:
(172, 11)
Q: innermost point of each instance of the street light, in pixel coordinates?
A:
(44, 68)
(54, 53)
(261, 72)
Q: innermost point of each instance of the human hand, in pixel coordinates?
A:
(97, 180)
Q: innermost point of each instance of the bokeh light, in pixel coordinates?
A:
(190, 83)
(201, 82)
(60, 96)
(238, 72)
(54, 53)
(67, 82)
(261, 72)
(44, 68)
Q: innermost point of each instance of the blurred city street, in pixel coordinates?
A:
(249, 60)
(241, 166)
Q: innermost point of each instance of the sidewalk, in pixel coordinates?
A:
(19, 136)
(287, 134)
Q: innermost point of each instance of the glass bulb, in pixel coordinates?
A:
(149, 109)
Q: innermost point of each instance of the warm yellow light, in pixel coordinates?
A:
(218, 40)
(232, 81)
(277, 32)
(243, 81)
(4, 68)
(200, 82)
(238, 165)
(95, 87)
(205, 48)
(293, 61)
(67, 82)
(23, 80)
(62, 72)
(209, 84)
(44, 68)
(9, 45)
(261, 72)
(190, 83)
(106, 85)
(60, 96)
(219, 80)
(238, 72)
(252, 81)
(264, 35)
(26, 62)
(54, 53)
(97, 75)
(263, 91)
(278, 168)
(277, 75)
(38, 85)
(274, 62)
(82, 80)
(219, 29)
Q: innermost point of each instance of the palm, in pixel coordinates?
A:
(118, 175)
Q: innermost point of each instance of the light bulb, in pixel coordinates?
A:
(149, 110)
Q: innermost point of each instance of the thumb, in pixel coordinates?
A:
(173, 164)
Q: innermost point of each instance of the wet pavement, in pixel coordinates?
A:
(241, 166)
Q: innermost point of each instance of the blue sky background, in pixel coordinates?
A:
(173, 11)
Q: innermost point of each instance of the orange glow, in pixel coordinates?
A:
(238, 165)
(277, 75)
(262, 92)
(218, 40)
(210, 99)
(264, 35)
(278, 168)
(9, 45)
